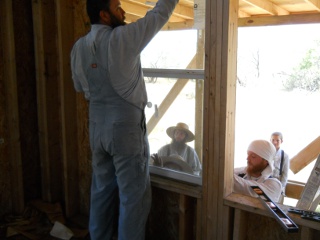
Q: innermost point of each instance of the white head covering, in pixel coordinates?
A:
(264, 149)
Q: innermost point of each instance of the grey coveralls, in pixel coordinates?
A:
(106, 67)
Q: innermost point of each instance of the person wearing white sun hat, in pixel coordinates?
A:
(258, 171)
(180, 135)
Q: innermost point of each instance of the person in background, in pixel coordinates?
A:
(106, 66)
(281, 162)
(180, 135)
(258, 172)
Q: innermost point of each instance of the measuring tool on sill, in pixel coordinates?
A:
(286, 223)
(309, 215)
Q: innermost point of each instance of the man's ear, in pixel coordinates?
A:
(104, 17)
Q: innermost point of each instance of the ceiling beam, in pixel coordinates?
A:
(183, 11)
(242, 14)
(315, 3)
(140, 8)
(267, 6)
(134, 8)
(183, 15)
(279, 20)
(188, 24)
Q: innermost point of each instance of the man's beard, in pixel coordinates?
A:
(256, 170)
(178, 145)
(115, 22)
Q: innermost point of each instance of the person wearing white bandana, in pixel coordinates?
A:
(258, 171)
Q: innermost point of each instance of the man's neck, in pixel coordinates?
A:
(256, 175)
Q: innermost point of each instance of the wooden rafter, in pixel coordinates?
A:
(183, 15)
(315, 3)
(267, 6)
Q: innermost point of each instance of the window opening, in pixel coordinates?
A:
(277, 89)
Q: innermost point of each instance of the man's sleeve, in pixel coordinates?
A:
(126, 44)
(242, 186)
(271, 187)
(78, 70)
(163, 151)
(239, 170)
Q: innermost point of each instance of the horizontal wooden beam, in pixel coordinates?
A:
(266, 6)
(294, 189)
(305, 156)
(279, 20)
(139, 8)
(315, 3)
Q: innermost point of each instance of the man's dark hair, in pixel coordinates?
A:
(94, 7)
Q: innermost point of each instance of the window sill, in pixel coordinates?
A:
(253, 205)
(173, 185)
(177, 175)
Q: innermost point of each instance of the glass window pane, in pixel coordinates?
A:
(173, 101)
(171, 50)
(181, 110)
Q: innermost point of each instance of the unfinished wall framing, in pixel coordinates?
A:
(44, 149)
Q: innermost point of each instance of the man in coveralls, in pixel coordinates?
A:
(106, 66)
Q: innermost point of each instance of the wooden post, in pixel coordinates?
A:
(306, 233)
(199, 219)
(186, 213)
(219, 115)
(12, 112)
(198, 132)
(240, 224)
(68, 108)
(48, 91)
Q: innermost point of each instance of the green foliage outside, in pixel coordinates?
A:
(306, 76)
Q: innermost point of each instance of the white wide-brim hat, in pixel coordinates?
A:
(181, 126)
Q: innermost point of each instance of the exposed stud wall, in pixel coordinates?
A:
(258, 227)
(48, 93)
(44, 124)
(5, 183)
(11, 135)
(81, 27)
(164, 215)
(27, 99)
